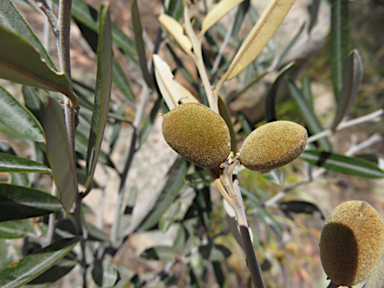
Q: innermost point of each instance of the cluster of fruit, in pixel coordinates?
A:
(202, 137)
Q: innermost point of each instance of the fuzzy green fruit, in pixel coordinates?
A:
(273, 145)
(351, 242)
(198, 134)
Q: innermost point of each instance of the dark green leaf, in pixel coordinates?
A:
(214, 252)
(309, 116)
(82, 145)
(11, 18)
(104, 273)
(116, 129)
(14, 164)
(26, 66)
(12, 230)
(339, 42)
(96, 234)
(140, 46)
(17, 202)
(239, 18)
(56, 272)
(19, 119)
(353, 74)
(343, 164)
(84, 13)
(33, 102)
(175, 9)
(198, 177)
(28, 268)
(314, 12)
(272, 93)
(148, 124)
(169, 218)
(122, 82)
(289, 207)
(169, 194)
(59, 153)
(103, 91)
(163, 253)
(306, 90)
(224, 112)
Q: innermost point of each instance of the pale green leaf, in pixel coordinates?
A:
(103, 91)
(18, 118)
(218, 12)
(259, 36)
(104, 273)
(59, 153)
(353, 75)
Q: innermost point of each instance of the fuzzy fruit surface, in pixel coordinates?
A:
(351, 242)
(198, 134)
(273, 145)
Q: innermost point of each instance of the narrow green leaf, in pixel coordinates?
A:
(103, 91)
(17, 202)
(214, 252)
(122, 82)
(104, 273)
(20, 179)
(59, 153)
(343, 164)
(218, 12)
(163, 253)
(26, 66)
(309, 116)
(14, 164)
(339, 42)
(290, 45)
(19, 119)
(239, 18)
(198, 177)
(82, 145)
(169, 194)
(33, 102)
(272, 93)
(116, 129)
(86, 14)
(314, 13)
(148, 124)
(353, 75)
(28, 268)
(175, 9)
(11, 18)
(289, 207)
(306, 90)
(140, 45)
(224, 112)
(259, 36)
(169, 217)
(12, 230)
(56, 272)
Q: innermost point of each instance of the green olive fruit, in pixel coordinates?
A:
(198, 134)
(351, 242)
(273, 145)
